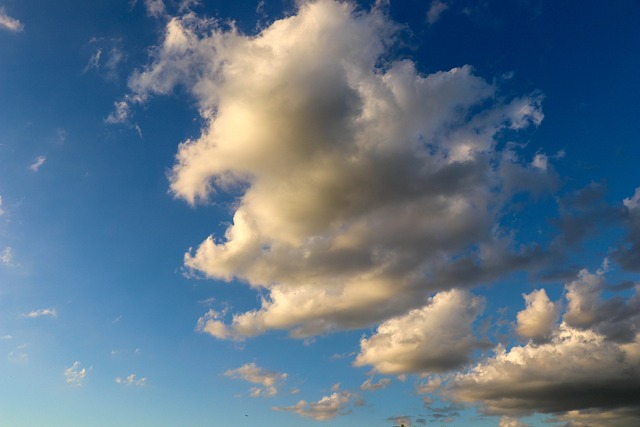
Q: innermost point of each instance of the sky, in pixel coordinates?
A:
(319, 213)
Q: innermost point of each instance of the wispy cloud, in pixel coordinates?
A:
(371, 385)
(8, 23)
(155, 8)
(268, 380)
(1, 210)
(436, 9)
(131, 380)
(18, 355)
(50, 312)
(75, 375)
(6, 256)
(39, 161)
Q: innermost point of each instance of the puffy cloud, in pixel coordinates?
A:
(538, 319)
(326, 408)
(435, 11)
(511, 422)
(434, 338)
(8, 23)
(131, 380)
(269, 380)
(74, 375)
(583, 296)
(587, 373)
(617, 318)
(38, 162)
(51, 312)
(576, 370)
(362, 186)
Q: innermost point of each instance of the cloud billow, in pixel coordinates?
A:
(360, 178)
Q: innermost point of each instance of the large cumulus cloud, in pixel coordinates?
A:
(364, 186)
(588, 373)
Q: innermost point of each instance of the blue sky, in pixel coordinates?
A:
(284, 213)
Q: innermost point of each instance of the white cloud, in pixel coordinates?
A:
(1, 210)
(50, 312)
(586, 373)
(74, 375)
(434, 338)
(155, 8)
(8, 23)
(511, 422)
(435, 11)
(326, 408)
(6, 256)
(268, 380)
(120, 114)
(538, 319)
(131, 380)
(577, 369)
(369, 384)
(38, 162)
(6, 337)
(359, 194)
(540, 161)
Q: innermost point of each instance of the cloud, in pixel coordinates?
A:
(431, 339)
(51, 312)
(628, 254)
(435, 11)
(511, 422)
(131, 380)
(74, 375)
(268, 380)
(6, 256)
(326, 408)
(106, 57)
(39, 161)
(370, 385)
(8, 23)
(18, 355)
(120, 114)
(587, 373)
(1, 210)
(538, 319)
(401, 420)
(357, 195)
(155, 8)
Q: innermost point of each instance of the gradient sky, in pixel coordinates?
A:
(281, 213)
